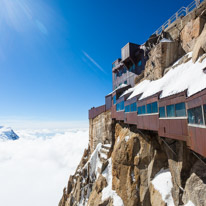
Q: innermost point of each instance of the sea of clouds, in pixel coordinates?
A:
(35, 168)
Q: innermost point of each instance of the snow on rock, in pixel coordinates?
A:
(107, 192)
(6, 133)
(127, 138)
(162, 182)
(186, 76)
(165, 40)
(190, 203)
(94, 162)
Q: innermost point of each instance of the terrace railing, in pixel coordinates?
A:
(183, 11)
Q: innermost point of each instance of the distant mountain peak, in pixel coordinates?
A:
(6, 133)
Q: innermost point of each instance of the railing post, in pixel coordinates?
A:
(187, 10)
(163, 27)
(176, 15)
(169, 22)
(157, 33)
(197, 2)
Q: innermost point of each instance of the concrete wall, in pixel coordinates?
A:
(100, 129)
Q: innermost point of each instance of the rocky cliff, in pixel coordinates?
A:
(126, 166)
(138, 169)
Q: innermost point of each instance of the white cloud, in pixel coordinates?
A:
(36, 168)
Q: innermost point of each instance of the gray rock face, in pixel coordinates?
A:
(100, 130)
(195, 188)
(200, 46)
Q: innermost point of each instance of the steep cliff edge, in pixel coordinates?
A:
(138, 169)
(127, 166)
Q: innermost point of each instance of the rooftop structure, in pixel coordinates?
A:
(129, 66)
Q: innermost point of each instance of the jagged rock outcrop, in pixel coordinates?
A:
(125, 173)
(160, 57)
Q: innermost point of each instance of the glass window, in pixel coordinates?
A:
(149, 108)
(171, 110)
(139, 63)
(154, 107)
(114, 99)
(162, 111)
(134, 107)
(180, 110)
(122, 105)
(117, 107)
(204, 106)
(139, 110)
(127, 108)
(124, 70)
(143, 109)
(195, 115)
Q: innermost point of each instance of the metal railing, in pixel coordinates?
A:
(183, 11)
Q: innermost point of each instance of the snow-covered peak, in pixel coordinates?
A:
(6, 133)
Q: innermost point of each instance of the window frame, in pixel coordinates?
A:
(167, 110)
(164, 112)
(184, 109)
(195, 120)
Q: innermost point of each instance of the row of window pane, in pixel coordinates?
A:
(173, 110)
(134, 107)
(131, 107)
(127, 108)
(141, 110)
(120, 106)
(120, 72)
(151, 108)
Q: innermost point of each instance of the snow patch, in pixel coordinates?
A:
(162, 182)
(119, 87)
(107, 192)
(186, 76)
(94, 162)
(165, 40)
(190, 203)
(127, 138)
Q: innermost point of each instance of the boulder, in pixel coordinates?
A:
(190, 33)
(195, 188)
(200, 46)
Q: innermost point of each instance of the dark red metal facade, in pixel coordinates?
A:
(95, 111)
(197, 134)
(175, 128)
(148, 121)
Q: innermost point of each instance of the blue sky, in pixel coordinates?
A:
(56, 56)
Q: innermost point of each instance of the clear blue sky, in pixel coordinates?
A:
(56, 55)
